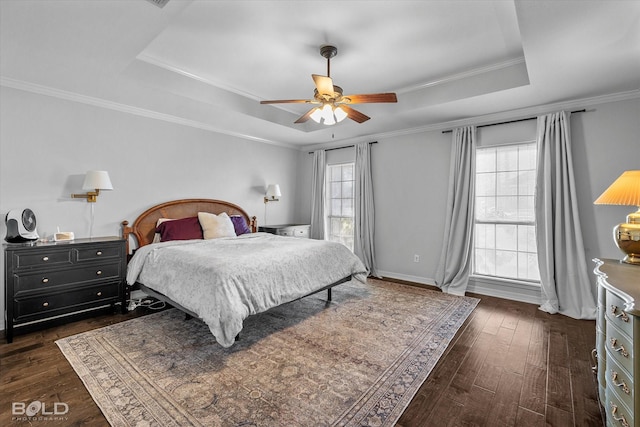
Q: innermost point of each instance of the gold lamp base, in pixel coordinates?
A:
(627, 238)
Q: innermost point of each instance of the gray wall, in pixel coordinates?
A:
(606, 142)
(47, 144)
(410, 185)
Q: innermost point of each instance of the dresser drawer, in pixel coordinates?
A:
(48, 305)
(617, 413)
(285, 231)
(43, 258)
(616, 314)
(291, 230)
(26, 282)
(619, 348)
(97, 253)
(621, 383)
(301, 232)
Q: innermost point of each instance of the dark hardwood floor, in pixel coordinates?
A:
(509, 365)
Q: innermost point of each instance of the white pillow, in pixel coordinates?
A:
(214, 226)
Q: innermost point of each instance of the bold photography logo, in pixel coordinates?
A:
(38, 409)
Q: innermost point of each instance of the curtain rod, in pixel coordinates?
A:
(346, 146)
(511, 121)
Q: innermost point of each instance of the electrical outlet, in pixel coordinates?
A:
(416, 258)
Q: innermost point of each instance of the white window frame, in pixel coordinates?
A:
(524, 248)
(344, 238)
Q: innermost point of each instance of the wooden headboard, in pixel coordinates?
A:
(144, 227)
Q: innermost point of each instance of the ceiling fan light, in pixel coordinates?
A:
(340, 114)
(316, 116)
(327, 115)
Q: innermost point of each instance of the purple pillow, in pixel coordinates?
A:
(180, 229)
(240, 225)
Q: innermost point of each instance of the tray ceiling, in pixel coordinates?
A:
(209, 63)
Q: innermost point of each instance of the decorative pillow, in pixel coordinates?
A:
(156, 236)
(180, 229)
(240, 225)
(214, 226)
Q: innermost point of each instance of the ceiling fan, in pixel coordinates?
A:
(333, 106)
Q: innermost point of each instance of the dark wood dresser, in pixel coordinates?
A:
(55, 280)
(618, 340)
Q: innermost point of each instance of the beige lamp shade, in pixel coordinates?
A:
(94, 182)
(97, 180)
(624, 191)
(273, 192)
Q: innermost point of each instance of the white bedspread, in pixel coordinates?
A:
(225, 280)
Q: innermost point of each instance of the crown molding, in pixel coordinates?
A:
(217, 83)
(124, 108)
(486, 119)
(540, 109)
(465, 74)
(472, 121)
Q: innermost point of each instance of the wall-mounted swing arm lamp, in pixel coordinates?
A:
(94, 181)
(273, 192)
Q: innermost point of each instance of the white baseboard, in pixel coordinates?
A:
(408, 278)
(522, 292)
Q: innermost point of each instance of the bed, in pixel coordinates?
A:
(225, 276)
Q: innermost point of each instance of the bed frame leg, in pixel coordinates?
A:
(187, 316)
(329, 294)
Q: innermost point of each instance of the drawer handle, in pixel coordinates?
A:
(99, 294)
(99, 253)
(45, 280)
(99, 272)
(45, 258)
(621, 419)
(46, 304)
(623, 351)
(622, 385)
(622, 316)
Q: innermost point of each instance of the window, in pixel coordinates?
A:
(340, 210)
(505, 244)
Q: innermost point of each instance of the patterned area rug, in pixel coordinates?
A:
(355, 361)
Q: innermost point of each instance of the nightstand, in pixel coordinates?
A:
(294, 230)
(55, 280)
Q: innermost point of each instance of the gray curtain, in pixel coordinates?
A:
(318, 195)
(565, 283)
(452, 274)
(364, 218)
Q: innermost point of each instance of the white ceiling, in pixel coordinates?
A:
(209, 63)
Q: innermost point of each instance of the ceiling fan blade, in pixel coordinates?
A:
(354, 115)
(324, 84)
(370, 98)
(288, 101)
(306, 116)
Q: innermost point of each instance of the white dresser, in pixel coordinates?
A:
(294, 230)
(617, 326)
